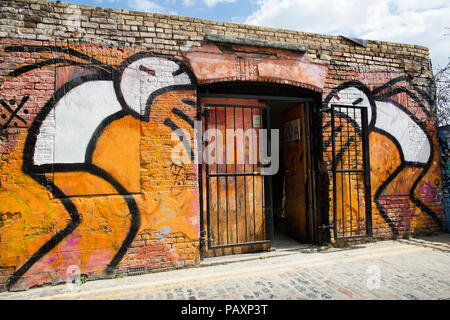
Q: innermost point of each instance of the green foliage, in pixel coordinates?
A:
(83, 278)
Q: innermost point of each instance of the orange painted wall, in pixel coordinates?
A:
(127, 205)
(406, 186)
(136, 153)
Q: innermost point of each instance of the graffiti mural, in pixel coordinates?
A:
(444, 142)
(9, 106)
(402, 151)
(87, 177)
(81, 140)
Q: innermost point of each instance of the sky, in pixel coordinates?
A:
(422, 22)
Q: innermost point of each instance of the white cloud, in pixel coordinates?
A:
(406, 21)
(212, 3)
(149, 6)
(109, 1)
(144, 5)
(188, 3)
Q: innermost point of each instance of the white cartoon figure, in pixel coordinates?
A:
(395, 121)
(63, 136)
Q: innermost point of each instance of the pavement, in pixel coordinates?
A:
(406, 269)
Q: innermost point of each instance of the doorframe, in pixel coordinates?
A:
(311, 175)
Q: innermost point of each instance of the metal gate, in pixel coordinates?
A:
(237, 208)
(352, 214)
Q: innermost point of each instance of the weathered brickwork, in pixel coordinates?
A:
(124, 186)
(92, 99)
(404, 159)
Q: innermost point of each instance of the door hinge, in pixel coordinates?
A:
(203, 238)
(204, 111)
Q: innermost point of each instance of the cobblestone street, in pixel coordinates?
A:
(401, 269)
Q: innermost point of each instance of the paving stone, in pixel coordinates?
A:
(406, 275)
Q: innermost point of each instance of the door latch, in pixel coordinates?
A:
(325, 227)
(203, 238)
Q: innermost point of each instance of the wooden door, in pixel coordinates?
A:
(234, 206)
(296, 172)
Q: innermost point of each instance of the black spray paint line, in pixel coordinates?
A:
(389, 179)
(386, 97)
(13, 113)
(389, 84)
(426, 167)
(183, 116)
(181, 136)
(55, 61)
(360, 86)
(65, 50)
(58, 237)
(189, 102)
(37, 172)
(357, 101)
(344, 149)
(92, 145)
(182, 68)
(156, 93)
(135, 223)
(330, 140)
(420, 204)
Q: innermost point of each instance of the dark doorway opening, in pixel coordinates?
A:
(290, 198)
(293, 201)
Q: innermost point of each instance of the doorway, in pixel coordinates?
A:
(293, 204)
(244, 210)
(236, 215)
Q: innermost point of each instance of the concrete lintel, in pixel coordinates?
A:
(358, 41)
(256, 43)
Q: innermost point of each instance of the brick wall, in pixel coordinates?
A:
(124, 205)
(444, 142)
(45, 20)
(111, 199)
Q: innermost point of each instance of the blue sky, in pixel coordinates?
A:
(222, 10)
(423, 22)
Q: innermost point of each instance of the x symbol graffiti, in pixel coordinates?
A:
(13, 112)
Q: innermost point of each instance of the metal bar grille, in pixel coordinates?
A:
(243, 222)
(351, 172)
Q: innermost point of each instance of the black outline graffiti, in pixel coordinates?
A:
(176, 171)
(377, 95)
(140, 55)
(37, 172)
(177, 130)
(183, 116)
(91, 63)
(13, 112)
(443, 141)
